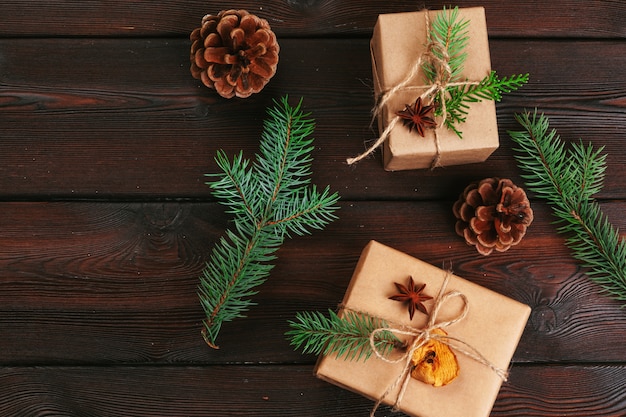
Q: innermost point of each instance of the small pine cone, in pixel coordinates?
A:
(235, 53)
(492, 214)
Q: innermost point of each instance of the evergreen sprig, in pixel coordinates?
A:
(451, 37)
(346, 337)
(270, 199)
(568, 178)
(489, 88)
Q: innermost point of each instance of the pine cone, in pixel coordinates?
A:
(492, 214)
(235, 53)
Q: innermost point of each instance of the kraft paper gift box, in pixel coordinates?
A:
(493, 326)
(399, 39)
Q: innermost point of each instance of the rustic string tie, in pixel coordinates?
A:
(437, 55)
(421, 337)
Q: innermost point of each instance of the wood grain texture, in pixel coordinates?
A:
(301, 18)
(111, 118)
(274, 390)
(563, 390)
(106, 223)
(116, 282)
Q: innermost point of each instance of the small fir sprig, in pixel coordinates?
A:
(451, 38)
(489, 88)
(271, 199)
(346, 337)
(450, 35)
(568, 179)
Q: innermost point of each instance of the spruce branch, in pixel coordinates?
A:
(489, 88)
(346, 337)
(270, 199)
(449, 35)
(568, 179)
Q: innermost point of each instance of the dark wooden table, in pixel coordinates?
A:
(106, 222)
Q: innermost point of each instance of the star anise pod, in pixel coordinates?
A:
(412, 296)
(418, 116)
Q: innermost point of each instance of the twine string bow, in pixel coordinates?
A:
(421, 337)
(437, 55)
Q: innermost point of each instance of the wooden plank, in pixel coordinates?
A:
(106, 223)
(272, 390)
(122, 118)
(597, 19)
(116, 282)
(575, 391)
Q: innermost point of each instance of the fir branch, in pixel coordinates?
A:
(489, 88)
(449, 38)
(452, 37)
(270, 199)
(567, 179)
(346, 337)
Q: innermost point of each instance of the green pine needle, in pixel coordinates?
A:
(452, 37)
(346, 337)
(567, 179)
(270, 199)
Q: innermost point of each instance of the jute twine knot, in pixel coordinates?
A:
(437, 55)
(421, 337)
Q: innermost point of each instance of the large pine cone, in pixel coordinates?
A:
(235, 53)
(492, 214)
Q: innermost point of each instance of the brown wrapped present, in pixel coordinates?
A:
(398, 43)
(483, 338)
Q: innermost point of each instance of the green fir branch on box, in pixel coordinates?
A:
(489, 88)
(568, 178)
(270, 199)
(346, 337)
(448, 38)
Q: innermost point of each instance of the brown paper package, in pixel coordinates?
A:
(493, 326)
(399, 39)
